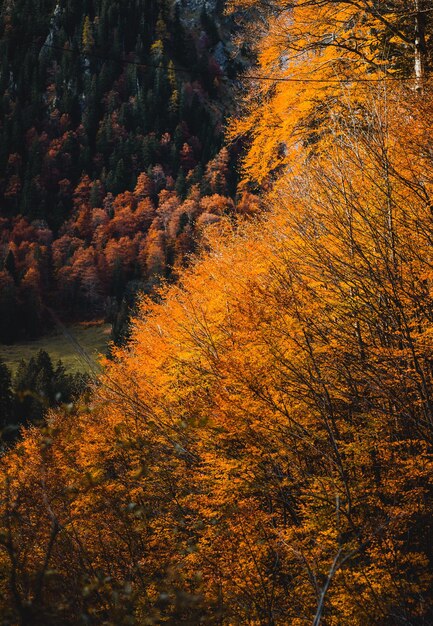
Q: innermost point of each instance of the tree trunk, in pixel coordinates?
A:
(420, 47)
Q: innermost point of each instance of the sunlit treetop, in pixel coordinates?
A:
(310, 55)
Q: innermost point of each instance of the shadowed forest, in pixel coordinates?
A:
(244, 191)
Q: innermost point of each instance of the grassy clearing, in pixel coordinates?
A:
(92, 338)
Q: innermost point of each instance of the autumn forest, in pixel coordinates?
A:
(243, 192)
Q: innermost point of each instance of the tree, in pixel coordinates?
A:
(39, 386)
(32, 307)
(9, 327)
(87, 38)
(261, 450)
(339, 44)
(10, 265)
(29, 402)
(6, 398)
(217, 173)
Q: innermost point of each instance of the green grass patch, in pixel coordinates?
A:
(78, 346)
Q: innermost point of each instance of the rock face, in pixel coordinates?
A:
(220, 54)
(190, 10)
(197, 5)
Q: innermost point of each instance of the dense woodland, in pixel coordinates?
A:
(110, 152)
(260, 451)
(37, 386)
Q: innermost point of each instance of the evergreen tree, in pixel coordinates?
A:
(38, 386)
(29, 405)
(10, 265)
(6, 396)
(9, 318)
(121, 331)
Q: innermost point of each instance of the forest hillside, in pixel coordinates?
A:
(112, 163)
(111, 156)
(260, 451)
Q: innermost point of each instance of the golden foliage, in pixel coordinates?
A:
(261, 453)
(311, 55)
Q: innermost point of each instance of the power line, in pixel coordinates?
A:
(256, 77)
(327, 80)
(101, 57)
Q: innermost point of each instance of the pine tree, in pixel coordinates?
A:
(10, 265)
(6, 396)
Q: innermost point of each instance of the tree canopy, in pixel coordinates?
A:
(260, 450)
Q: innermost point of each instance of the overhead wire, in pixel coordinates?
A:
(223, 76)
(256, 77)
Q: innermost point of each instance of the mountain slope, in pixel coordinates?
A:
(99, 100)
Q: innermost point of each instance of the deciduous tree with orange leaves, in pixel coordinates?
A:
(313, 53)
(261, 452)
